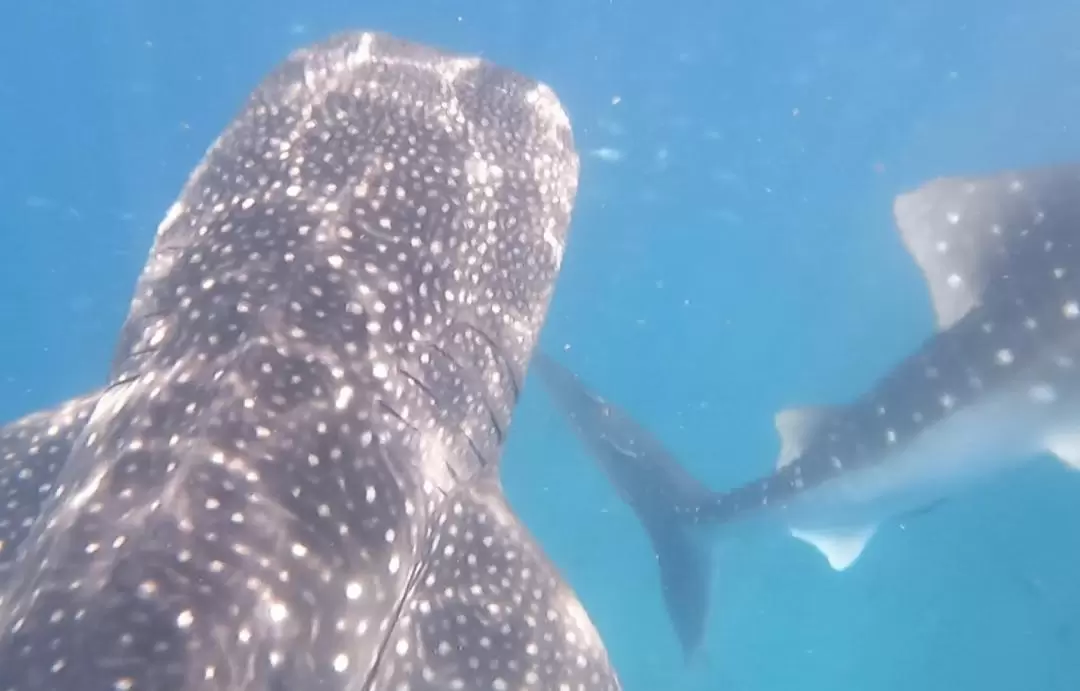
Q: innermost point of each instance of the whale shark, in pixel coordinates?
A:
(649, 479)
(994, 387)
(290, 478)
(32, 452)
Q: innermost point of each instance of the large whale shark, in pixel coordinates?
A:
(996, 386)
(290, 480)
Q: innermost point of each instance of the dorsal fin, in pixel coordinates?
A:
(797, 427)
(967, 233)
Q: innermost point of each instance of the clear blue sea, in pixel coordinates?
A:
(732, 253)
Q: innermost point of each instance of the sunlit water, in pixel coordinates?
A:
(733, 253)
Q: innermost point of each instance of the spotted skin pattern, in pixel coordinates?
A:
(32, 452)
(291, 480)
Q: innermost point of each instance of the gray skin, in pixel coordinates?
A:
(650, 480)
(290, 480)
(996, 386)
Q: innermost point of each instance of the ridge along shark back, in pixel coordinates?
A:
(995, 387)
(290, 481)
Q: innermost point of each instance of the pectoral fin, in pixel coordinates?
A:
(841, 547)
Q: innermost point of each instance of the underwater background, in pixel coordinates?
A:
(732, 253)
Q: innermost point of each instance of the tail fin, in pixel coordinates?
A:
(685, 566)
(650, 480)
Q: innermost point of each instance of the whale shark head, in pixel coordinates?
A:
(290, 478)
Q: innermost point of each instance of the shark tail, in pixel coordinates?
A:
(684, 558)
(650, 480)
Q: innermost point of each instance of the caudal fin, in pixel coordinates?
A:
(649, 479)
(685, 563)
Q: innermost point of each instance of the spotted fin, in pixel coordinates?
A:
(840, 547)
(966, 234)
(797, 427)
(1067, 448)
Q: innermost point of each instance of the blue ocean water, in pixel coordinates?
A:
(732, 254)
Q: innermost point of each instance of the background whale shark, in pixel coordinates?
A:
(995, 387)
(290, 479)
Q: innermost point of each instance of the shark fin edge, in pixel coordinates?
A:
(840, 547)
(965, 232)
(796, 428)
(934, 223)
(685, 562)
(1066, 448)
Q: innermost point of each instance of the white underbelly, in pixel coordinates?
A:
(970, 446)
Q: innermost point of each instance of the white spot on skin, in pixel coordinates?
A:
(1071, 310)
(278, 612)
(1004, 357)
(158, 336)
(344, 395)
